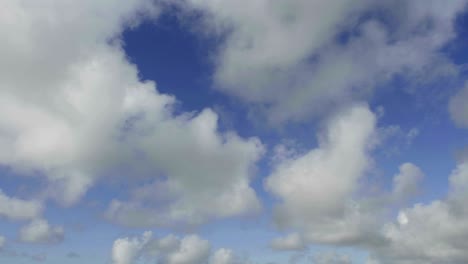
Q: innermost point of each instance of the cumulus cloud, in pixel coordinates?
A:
(290, 57)
(290, 242)
(18, 209)
(459, 108)
(200, 165)
(223, 256)
(436, 232)
(127, 250)
(407, 182)
(190, 249)
(39, 231)
(316, 189)
(83, 113)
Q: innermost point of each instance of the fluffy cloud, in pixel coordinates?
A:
(52, 116)
(171, 249)
(430, 233)
(290, 242)
(39, 231)
(201, 165)
(316, 189)
(191, 249)
(458, 107)
(83, 113)
(223, 256)
(18, 209)
(407, 182)
(298, 58)
(127, 250)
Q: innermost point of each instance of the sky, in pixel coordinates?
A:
(234, 132)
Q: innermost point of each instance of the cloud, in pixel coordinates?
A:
(47, 127)
(316, 189)
(39, 231)
(331, 258)
(200, 164)
(83, 114)
(294, 59)
(127, 250)
(2, 242)
(436, 232)
(458, 107)
(190, 249)
(290, 242)
(18, 209)
(407, 182)
(223, 256)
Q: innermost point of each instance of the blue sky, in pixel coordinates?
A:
(233, 132)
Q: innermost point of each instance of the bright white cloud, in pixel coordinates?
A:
(191, 250)
(171, 249)
(431, 233)
(316, 189)
(290, 242)
(83, 113)
(39, 231)
(285, 54)
(128, 250)
(223, 256)
(18, 209)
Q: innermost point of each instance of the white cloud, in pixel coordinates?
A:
(82, 113)
(407, 182)
(459, 108)
(223, 256)
(128, 250)
(290, 242)
(200, 164)
(171, 249)
(431, 233)
(18, 209)
(39, 231)
(191, 250)
(284, 55)
(316, 189)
